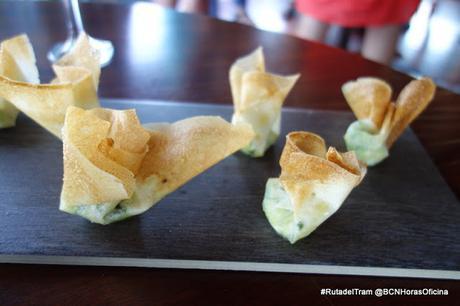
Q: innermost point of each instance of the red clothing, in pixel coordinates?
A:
(359, 13)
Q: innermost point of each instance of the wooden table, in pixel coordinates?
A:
(161, 54)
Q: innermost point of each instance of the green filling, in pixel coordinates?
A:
(104, 213)
(278, 209)
(368, 145)
(144, 197)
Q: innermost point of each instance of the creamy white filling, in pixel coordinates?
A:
(295, 224)
(147, 194)
(265, 120)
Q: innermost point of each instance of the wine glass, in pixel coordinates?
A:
(75, 27)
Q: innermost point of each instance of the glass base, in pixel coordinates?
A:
(104, 47)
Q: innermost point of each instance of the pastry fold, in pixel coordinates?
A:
(313, 184)
(380, 121)
(77, 77)
(115, 168)
(257, 98)
(17, 62)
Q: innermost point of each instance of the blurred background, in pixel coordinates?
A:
(428, 44)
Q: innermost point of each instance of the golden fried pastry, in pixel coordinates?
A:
(313, 184)
(380, 121)
(257, 98)
(77, 77)
(17, 62)
(115, 168)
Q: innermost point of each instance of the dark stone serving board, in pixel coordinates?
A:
(401, 221)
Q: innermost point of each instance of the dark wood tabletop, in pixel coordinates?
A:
(161, 54)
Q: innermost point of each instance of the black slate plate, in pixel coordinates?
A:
(402, 220)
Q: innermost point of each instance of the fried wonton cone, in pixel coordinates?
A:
(313, 184)
(17, 62)
(114, 168)
(380, 121)
(75, 84)
(258, 97)
(412, 100)
(368, 98)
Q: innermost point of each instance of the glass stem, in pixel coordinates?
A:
(75, 24)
